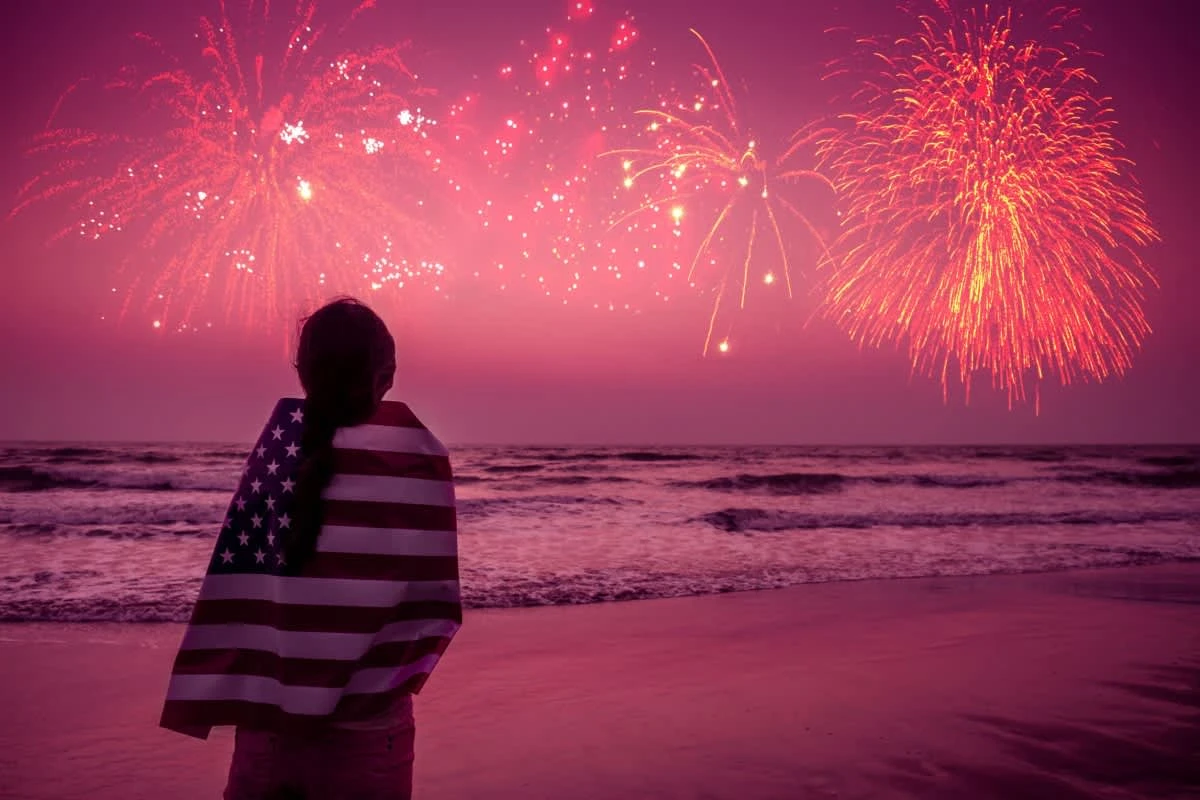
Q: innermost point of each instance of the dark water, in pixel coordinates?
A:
(99, 532)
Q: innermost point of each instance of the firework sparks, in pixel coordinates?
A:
(702, 163)
(538, 128)
(263, 174)
(990, 222)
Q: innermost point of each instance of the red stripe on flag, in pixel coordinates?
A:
(375, 567)
(327, 619)
(187, 715)
(391, 465)
(318, 672)
(366, 514)
(396, 415)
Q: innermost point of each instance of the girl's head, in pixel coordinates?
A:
(346, 360)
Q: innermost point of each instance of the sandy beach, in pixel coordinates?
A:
(1065, 685)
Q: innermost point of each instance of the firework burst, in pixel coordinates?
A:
(990, 221)
(537, 129)
(270, 170)
(703, 170)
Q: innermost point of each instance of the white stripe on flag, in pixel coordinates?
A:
(310, 700)
(325, 591)
(309, 644)
(387, 541)
(388, 439)
(386, 489)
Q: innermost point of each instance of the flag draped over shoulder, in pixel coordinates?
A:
(370, 613)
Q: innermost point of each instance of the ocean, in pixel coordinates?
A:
(94, 532)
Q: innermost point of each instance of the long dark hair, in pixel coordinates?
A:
(345, 350)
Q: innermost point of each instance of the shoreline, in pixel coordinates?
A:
(1164, 562)
(1049, 684)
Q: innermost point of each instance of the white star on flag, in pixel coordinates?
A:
(256, 484)
(261, 451)
(241, 504)
(277, 432)
(285, 521)
(288, 484)
(292, 449)
(271, 539)
(271, 503)
(256, 521)
(273, 467)
(259, 555)
(244, 538)
(227, 556)
(298, 415)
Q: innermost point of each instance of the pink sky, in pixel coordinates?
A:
(484, 369)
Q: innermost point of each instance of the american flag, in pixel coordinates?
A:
(368, 616)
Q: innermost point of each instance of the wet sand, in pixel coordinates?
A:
(1069, 685)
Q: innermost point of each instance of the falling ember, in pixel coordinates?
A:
(990, 222)
(699, 150)
(723, 346)
(202, 179)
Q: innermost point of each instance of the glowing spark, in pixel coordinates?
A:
(293, 133)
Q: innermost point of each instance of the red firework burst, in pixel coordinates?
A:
(274, 168)
(991, 224)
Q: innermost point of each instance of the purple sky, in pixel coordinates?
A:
(482, 371)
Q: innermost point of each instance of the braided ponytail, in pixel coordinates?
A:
(344, 351)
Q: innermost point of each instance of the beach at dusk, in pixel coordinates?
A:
(1070, 685)
(722, 401)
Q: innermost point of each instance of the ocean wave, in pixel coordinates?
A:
(115, 531)
(533, 504)
(788, 483)
(582, 480)
(651, 455)
(76, 452)
(1162, 479)
(33, 479)
(1169, 461)
(29, 478)
(135, 510)
(761, 520)
(569, 455)
(1046, 455)
(802, 483)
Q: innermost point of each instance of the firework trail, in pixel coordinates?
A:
(990, 222)
(703, 170)
(271, 169)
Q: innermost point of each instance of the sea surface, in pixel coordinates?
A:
(123, 532)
